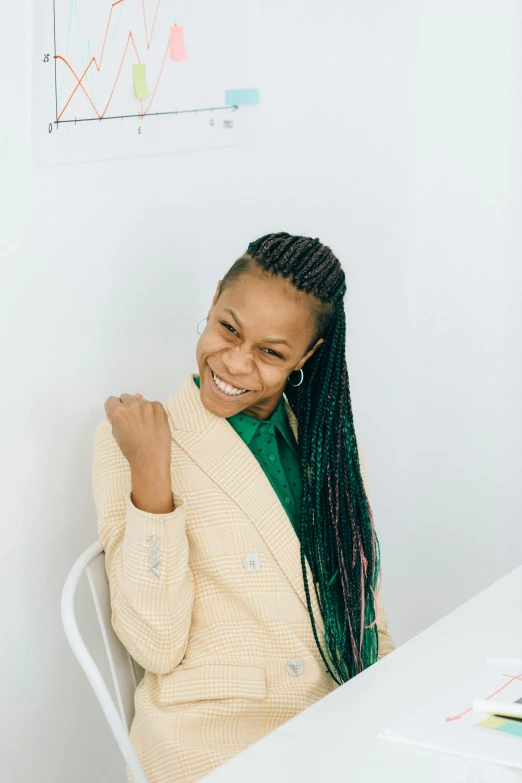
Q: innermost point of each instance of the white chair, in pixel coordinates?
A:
(126, 673)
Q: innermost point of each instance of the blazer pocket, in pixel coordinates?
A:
(213, 680)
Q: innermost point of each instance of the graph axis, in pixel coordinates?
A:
(231, 108)
(55, 58)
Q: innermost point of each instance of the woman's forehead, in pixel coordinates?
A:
(267, 301)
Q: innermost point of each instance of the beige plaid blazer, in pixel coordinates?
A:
(209, 599)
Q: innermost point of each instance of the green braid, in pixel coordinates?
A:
(338, 539)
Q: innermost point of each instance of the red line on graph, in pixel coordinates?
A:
(149, 38)
(510, 680)
(107, 31)
(80, 80)
(79, 84)
(130, 38)
(158, 80)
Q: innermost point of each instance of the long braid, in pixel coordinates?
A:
(337, 534)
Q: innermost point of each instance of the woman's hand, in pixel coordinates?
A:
(141, 430)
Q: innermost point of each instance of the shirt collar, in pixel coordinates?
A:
(277, 419)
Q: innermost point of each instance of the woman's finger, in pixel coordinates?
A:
(110, 404)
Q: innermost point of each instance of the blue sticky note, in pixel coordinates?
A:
(241, 97)
(511, 727)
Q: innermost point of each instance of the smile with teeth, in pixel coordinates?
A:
(226, 387)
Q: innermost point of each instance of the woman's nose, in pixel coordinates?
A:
(238, 361)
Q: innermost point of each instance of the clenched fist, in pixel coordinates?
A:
(141, 430)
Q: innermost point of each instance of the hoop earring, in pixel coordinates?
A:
(199, 322)
(295, 385)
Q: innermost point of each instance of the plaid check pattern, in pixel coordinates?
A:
(215, 638)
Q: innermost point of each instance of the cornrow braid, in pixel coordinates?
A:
(337, 535)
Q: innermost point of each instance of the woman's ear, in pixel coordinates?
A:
(305, 358)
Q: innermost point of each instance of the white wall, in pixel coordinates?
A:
(392, 131)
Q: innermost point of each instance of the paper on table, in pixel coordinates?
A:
(177, 44)
(455, 769)
(449, 725)
(139, 78)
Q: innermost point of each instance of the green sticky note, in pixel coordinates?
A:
(139, 77)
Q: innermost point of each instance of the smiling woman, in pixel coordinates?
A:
(265, 594)
(259, 329)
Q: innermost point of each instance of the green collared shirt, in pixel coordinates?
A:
(272, 443)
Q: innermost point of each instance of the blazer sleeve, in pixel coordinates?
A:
(386, 644)
(146, 559)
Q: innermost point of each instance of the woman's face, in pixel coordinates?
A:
(257, 332)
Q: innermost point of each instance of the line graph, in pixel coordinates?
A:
(98, 65)
(190, 56)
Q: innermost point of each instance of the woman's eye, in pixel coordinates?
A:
(230, 328)
(272, 353)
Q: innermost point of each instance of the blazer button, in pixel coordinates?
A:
(295, 667)
(251, 562)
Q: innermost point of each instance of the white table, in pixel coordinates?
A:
(336, 739)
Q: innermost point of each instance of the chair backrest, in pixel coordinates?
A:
(126, 673)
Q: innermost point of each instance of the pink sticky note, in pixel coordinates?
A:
(177, 44)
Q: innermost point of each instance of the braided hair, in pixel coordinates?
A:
(337, 535)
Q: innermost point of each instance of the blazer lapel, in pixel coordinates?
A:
(219, 451)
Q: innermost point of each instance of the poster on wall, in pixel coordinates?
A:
(137, 77)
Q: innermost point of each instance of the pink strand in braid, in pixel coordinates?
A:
(336, 523)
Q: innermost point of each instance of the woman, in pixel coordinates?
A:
(240, 548)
